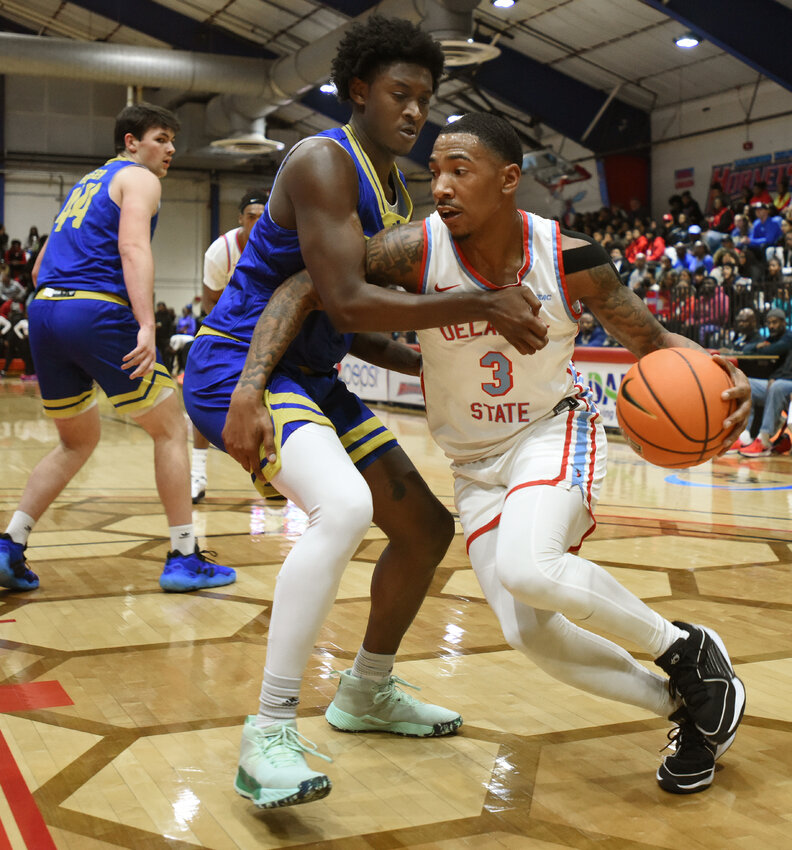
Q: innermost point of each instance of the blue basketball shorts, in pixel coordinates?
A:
(80, 337)
(292, 398)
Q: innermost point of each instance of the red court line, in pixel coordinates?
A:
(5, 841)
(7, 621)
(32, 695)
(26, 814)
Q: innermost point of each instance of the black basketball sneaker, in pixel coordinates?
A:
(700, 672)
(690, 767)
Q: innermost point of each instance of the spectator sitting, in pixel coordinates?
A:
(765, 232)
(15, 259)
(619, 263)
(684, 259)
(664, 269)
(181, 341)
(713, 312)
(784, 253)
(683, 306)
(589, 333)
(656, 248)
(719, 223)
(690, 208)
(3, 240)
(637, 245)
(741, 232)
(748, 266)
(702, 255)
(773, 393)
(638, 275)
(32, 243)
(698, 276)
(779, 339)
(747, 328)
(782, 198)
(760, 195)
(727, 247)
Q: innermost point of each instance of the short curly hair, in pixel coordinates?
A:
(368, 47)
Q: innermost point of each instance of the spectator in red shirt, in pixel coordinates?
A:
(720, 223)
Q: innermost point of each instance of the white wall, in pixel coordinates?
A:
(696, 134)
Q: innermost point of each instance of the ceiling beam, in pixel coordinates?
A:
(178, 30)
(756, 33)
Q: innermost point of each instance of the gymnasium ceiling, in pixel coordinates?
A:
(591, 70)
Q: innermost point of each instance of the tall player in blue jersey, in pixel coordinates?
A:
(92, 320)
(335, 459)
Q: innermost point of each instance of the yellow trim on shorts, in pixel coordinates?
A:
(207, 331)
(142, 397)
(280, 418)
(367, 427)
(65, 408)
(53, 293)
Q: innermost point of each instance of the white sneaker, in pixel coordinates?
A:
(361, 705)
(272, 769)
(198, 488)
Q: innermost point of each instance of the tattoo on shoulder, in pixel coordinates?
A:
(394, 256)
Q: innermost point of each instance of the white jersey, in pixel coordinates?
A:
(220, 260)
(481, 394)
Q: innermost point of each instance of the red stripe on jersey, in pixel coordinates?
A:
(425, 255)
(562, 275)
(483, 530)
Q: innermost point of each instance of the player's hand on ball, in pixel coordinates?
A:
(741, 393)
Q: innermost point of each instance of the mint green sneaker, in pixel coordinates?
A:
(361, 705)
(272, 769)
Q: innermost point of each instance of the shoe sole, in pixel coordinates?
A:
(721, 737)
(306, 792)
(675, 785)
(177, 587)
(344, 722)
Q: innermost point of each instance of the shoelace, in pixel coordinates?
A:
(390, 691)
(687, 683)
(282, 746)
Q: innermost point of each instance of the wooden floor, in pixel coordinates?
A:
(121, 706)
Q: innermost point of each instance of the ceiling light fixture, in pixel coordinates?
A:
(688, 40)
(328, 88)
(503, 4)
(452, 118)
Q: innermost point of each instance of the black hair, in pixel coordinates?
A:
(253, 196)
(368, 47)
(139, 118)
(494, 132)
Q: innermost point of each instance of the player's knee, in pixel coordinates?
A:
(531, 574)
(428, 536)
(350, 512)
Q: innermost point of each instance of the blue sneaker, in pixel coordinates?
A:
(14, 573)
(194, 572)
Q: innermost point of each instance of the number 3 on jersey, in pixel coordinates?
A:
(77, 205)
(501, 367)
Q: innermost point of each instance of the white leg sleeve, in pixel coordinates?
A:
(568, 653)
(318, 476)
(537, 527)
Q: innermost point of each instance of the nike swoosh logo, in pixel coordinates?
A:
(445, 288)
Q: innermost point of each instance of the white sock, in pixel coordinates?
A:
(278, 700)
(669, 636)
(765, 438)
(199, 462)
(182, 539)
(369, 665)
(745, 438)
(20, 527)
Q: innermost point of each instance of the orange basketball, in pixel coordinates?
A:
(670, 408)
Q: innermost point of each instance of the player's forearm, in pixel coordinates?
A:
(137, 264)
(387, 353)
(375, 309)
(277, 326)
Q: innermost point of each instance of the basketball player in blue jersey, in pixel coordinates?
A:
(335, 459)
(528, 452)
(92, 320)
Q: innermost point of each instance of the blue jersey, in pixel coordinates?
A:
(272, 254)
(82, 249)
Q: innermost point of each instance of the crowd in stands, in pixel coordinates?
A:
(696, 272)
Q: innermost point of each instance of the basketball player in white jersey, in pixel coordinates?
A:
(529, 453)
(220, 261)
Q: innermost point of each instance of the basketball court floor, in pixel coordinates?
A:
(121, 707)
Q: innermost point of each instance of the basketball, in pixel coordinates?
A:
(670, 409)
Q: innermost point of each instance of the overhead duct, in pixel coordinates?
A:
(251, 88)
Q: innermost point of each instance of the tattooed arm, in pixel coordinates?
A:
(627, 318)
(248, 424)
